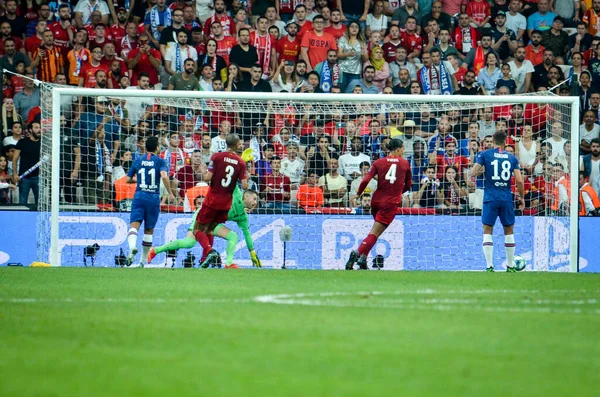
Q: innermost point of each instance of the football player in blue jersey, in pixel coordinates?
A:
(498, 167)
(147, 169)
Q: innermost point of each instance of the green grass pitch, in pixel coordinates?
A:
(156, 332)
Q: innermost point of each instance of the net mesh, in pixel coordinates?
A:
(439, 224)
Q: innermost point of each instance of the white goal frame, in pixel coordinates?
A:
(571, 101)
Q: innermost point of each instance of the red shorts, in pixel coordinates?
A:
(384, 213)
(208, 215)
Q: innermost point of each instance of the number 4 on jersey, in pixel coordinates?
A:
(391, 174)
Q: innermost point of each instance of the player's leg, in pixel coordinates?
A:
(489, 214)
(150, 220)
(507, 217)
(232, 240)
(383, 218)
(132, 235)
(185, 243)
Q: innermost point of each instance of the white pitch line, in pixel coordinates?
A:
(125, 300)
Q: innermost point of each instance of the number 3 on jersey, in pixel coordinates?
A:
(229, 170)
(504, 171)
(391, 174)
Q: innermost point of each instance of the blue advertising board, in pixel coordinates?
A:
(319, 241)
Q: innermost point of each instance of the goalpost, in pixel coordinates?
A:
(443, 236)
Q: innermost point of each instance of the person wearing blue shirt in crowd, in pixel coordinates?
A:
(498, 167)
(366, 83)
(542, 19)
(148, 171)
(372, 142)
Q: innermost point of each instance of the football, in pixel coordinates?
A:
(519, 263)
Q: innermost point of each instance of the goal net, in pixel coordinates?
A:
(310, 153)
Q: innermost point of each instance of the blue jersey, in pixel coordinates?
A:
(498, 170)
(147, 168)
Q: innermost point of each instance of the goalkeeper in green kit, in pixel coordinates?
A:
(242, 203)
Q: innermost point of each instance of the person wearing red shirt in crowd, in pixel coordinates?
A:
(592, 52)
(100, 38)
(265, 46)
(534, 52)
(34, 42)
(288, 47)
(224, 172)
(394, 178)
(411, 39)
(5, 33)
(543, 185)
(87, 75)
(224, 42)
(227, 23)
(188, 176)
(450, 157)
(300, 18)
(592, 18)
(47, 59)
(110, 57)
(479, 12)
(119, 30)
(316, 44)
(465, 36)
(389, 47)
(62, 29)
(178, 4)
(77, 57)
(129, 42)
(276, 187)
(144, 59)
(336, 28)
(96, 19)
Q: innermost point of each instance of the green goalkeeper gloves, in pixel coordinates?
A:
(255, 260)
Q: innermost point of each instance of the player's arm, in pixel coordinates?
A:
(520, 187)
(249, 243)
(164, 175)
(407, 180)
(477, 168)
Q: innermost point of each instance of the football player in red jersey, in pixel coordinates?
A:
(393, 179)
(224, 171)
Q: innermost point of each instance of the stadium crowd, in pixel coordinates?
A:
(304, 159)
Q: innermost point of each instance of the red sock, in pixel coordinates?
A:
(366, 245)
(211, 239)
(202, 238)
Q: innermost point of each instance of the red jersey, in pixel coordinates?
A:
(144, 65)
(288, 6)
(288, 50)
(479, 10)
(318, 46)
(336, 33)
(32, 43)
(224, 47)
(411, 42)
(264, 46)
(306, 27)
(443, 161)
(279, 185)
(61, 36)
(17, 84)
(227, 168)
(117, 33)
(389, 51)
(175, 159)
(88, 73)
(227, 23)
(394, 178)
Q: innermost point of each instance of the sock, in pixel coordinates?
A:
(232, 240)
(132, 238)
(202, 238)
(366, 245)
(488, 249)
(509, 246)
(211, 238)
(146, 245)
(187, 242)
